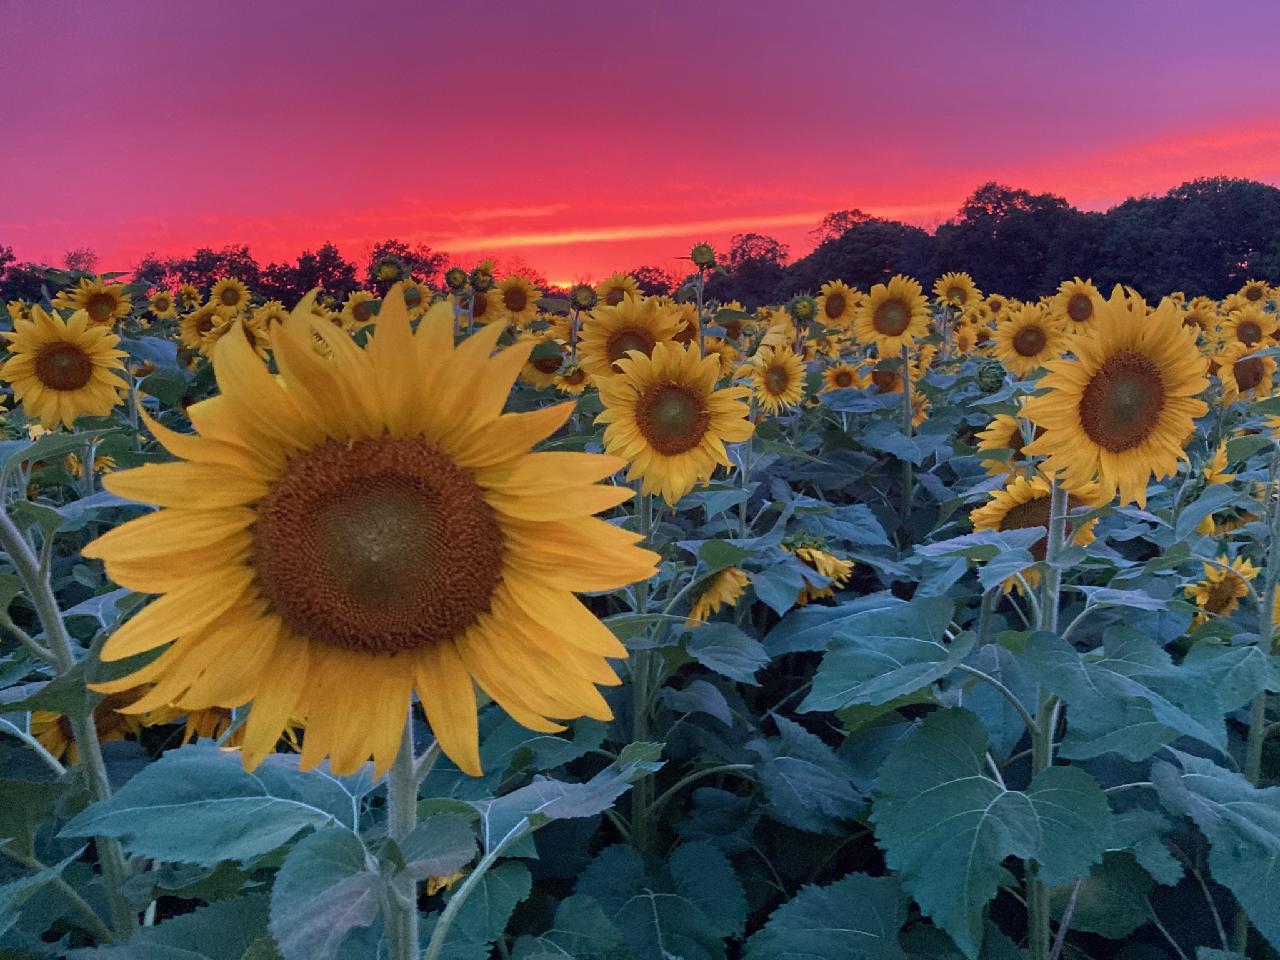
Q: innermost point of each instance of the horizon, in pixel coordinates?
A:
(513, 154)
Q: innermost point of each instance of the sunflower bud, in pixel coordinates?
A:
(703, 256)
(455, 278)
(583, 296)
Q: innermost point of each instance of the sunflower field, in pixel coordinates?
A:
(901, 624)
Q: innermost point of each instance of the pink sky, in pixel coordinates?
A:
(587, 137)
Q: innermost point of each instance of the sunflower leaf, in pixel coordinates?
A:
(857, 918)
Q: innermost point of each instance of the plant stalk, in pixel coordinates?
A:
(402, 817)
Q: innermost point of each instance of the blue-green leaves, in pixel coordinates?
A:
(947, 824)
(856, 918)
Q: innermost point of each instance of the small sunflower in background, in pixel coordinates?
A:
(359, 309)
(417, 297)
(63, 369)
(665, 416)
(996, 305)
(957, 290)
(162, 305)
(54, 732)
(194, 326)
(1249, 325)
(1076, 304)
(724, 589)
(189, 296)
(572, 380)
(518, 299)
(1220, 592)
(253, 333)
(609, 333)
(611, 290)
(390, 269)
(1027, 340)
(273, 311)
(1004, 432)
(229, 297)
(1243, 373)
(365, 526)
(1201, 313)
(1215, 470)
(1024, 503)
(1255, 291)
(842, 376)
(893, 316)
(838, 304)
(543, 365)
(834, 570)
(484, 306)
(777, 378)
(105, 303)
(1122, 409)
(18, 310)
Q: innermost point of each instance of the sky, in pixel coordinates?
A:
(581, 138)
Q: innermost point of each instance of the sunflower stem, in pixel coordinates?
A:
(62, 658)
(641, 668)
(402, 817)
(908, 477)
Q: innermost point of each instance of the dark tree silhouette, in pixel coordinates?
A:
(755, 268)
(325, 268)
(207, 266)
(654, 281)
(424, 264)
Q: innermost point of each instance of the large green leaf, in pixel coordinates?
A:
(728, 650)
(857, 918)
(1237, 674)
(1242, 823)
(1129, 699)
(581, 930)
(225, 930)
(807, 785)
(887, 653)
(198, 805)
(946, 825)
(329, 885)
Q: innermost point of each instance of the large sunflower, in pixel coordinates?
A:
(1122, 410)
(666, 417)
(229, 296)
(518, 299)
(1243, 373)
(957, 290)
(63, 369)
(612, 289)
(838, 304)
(610, 333)
(103, 302)
(361, 526)
(893, 315)
(777, 378)
(1027, 339)
(1076, 303)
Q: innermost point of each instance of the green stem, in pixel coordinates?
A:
(641, 668)
(36, 746)
(402, 817)
(908, 476)
(746, 476)
(93, 922)
(989, 601)
(36, 582)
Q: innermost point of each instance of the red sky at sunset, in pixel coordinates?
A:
(588, 137)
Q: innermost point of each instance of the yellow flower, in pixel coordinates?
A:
(1243, 373)
(189, 296)
(572, 380)
(609, 333)
(359, 309)
(825, 564)
(105, 303)
(541, 372)
(842, 376)
(1255, 291)
(54, 732)
(1028, 339)
(668, 420)
(229, 297)
(254, 334)
(162, 305)
(838, 304)
(195, 326)
(611, 290)
(361, 526)
(1215, 471)
(1250, 326)
(1076, 304)
(777, 378)
(956, 289)
(63, 369)
(18, 310)
(724, 590)
(1220, 592)
(893, 316)
(1004, 432)
(518, 299)
(273, 311)
(1123, 408)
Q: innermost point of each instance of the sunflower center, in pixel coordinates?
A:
(1248, 372)
(162, 303)
(1253, 293)
(547, 364)
(515, 299)
(776, 380)
(1248, 332)
(1121, 405)
(1029, 341)
(229, 297)
(204, 325)
(614, 297)
(886, 381)
(672, 418)
(63, 366)
(412, 297)
(1223, 594)
(834, 306)
(630, 338)
(1034, 513)
(843, 378)
(377, 546)
(891, 318)
(363, 311)
(101, 306)
(956, 294)
(479, 304)
(1079, 308)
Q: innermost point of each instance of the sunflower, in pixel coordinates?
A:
(1243, 373)
(1028, 339)
(485, 306)
(229, 296)
(18, 310)
(162, 305)
(611, 290)
(1123, 408)
(1247, 325)
(728, 354)
(572, 380)
(893, 315)
(827, 565)
(609, 333)
(1220, 592)
(842, 376)
(1255, 291)
(193, 327)
(359, 309)
(996, 305)
(1076, 303)
(540, 371)
(518, 299)
(687, 321)
(253, 333)
(956, 290)
(1201, 313)
(724, 590)
(54, 732)
(104, 302)
(777, 378)
(837, 304)
(63, 369)
(189, 296)
(666, 417)
(1004, 432)
(361, 526)
(417, 297)
(1215, 471)
(273, 311)
(1025, 503)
